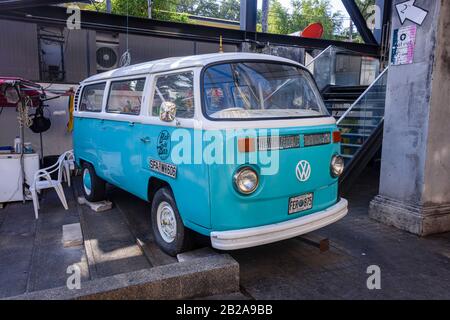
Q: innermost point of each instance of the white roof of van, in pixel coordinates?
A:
(181, 62)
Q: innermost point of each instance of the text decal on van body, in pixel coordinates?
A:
(165, 168)
(163, 146)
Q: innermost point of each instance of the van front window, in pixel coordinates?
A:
(260, 90)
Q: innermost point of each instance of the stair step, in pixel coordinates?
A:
(354, 117)
(357, 108)
(361, 126)
(355, 134)
(346, 89)
(341, 96)
(351, 145)
(339, 101)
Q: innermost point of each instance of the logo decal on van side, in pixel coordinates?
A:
(163, 145)
(303, 170)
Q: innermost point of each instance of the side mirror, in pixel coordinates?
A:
(167, 111)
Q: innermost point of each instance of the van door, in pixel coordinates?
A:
(188, 181)
(121, 128)
(87, 124)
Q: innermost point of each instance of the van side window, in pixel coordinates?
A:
(177, 88)
(92, 97)
(125, 96)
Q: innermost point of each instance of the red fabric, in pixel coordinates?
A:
(33, 90)
(314, 30)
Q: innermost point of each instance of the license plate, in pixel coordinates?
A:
(300, 203)
(165, 168)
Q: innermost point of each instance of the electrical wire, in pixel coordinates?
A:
(125, 59)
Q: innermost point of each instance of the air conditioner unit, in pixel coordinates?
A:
(107, 56)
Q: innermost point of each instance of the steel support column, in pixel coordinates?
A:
(248, 15)
(360, 23)
(384, 14)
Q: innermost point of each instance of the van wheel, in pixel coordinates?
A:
(94, 188)
(169, 231)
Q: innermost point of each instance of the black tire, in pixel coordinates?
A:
(97, 192)
(183, 237)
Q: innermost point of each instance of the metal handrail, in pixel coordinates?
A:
(361, 96)
(319, 55)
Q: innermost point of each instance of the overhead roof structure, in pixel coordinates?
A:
(248, 14)
(57, 16)
(19, 4)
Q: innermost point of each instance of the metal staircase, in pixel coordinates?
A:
(358, 109)
(361, 127)
(339, 98)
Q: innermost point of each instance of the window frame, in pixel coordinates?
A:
(110, 83)
(103, 97)
(44, 75)
(155, 77)
(202, 91)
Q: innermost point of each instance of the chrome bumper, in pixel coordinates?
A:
(251, 237)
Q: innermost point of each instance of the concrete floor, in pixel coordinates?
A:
(411, 267)
(32, 256)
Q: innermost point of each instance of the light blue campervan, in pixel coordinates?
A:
(235, 146)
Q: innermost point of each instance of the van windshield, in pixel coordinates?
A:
(255, 90)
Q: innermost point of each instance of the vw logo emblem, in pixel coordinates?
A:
(303, 170)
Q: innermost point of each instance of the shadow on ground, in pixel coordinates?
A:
(32, 256)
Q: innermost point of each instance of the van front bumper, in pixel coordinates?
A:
(251, 237)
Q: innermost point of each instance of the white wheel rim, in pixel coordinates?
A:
(167, 223)
(86, 175)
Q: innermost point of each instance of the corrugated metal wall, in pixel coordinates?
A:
(19, 54)
(143, 48)
(19, 50)
(79, 56)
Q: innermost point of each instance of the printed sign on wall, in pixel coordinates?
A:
(403, 44)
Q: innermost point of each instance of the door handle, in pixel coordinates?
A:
(131, 124)
(145, 139)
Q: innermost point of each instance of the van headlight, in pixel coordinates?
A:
(337, 166)
(246, 180)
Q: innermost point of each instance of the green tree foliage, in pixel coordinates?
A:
(281, 20)
(230, 10)
(225, 9)
(161, 9)
(303, 13)
(306, 12)
(364, 7)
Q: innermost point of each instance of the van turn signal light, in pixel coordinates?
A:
(246, 145)
(336, 136)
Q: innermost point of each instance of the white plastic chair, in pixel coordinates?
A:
(43, 180)
(69, 165)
